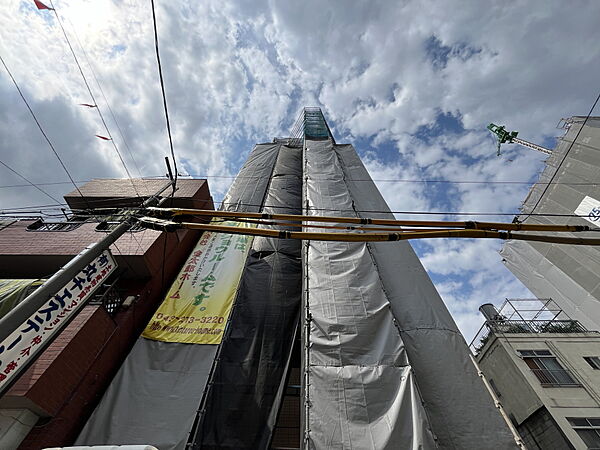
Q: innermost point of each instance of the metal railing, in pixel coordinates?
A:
(522, 326)
(555, 378)
(111, 299)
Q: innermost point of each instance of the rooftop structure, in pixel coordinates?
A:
(544, 369)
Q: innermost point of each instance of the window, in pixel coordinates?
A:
(593, 361)
(547, 369)
(40, 225)
(588, 430)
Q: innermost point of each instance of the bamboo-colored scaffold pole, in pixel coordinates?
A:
(468, 225)
(160, 224)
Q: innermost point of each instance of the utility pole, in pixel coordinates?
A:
(21, 315)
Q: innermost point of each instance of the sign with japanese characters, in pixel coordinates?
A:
(21, 347)
(198, 304)
(589, 209)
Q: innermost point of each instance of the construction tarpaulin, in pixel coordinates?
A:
(156, 393)
(382, 353)
(568, 187)
(248, 381)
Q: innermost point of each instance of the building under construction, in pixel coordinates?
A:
(327, 345)
(282, 343)
(568, 191)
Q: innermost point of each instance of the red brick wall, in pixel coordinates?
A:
(69, 378)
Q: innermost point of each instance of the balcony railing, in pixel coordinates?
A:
(555, 378)
(111, 299)
(500, 327)
(536, 326)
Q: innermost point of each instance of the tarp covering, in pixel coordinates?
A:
(359, 389)
(569, 274)
(154, 397)
(461, 411)
(245, 390)
(13, 292)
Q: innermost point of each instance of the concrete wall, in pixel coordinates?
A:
(522, 394)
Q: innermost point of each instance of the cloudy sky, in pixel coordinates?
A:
(412, 84)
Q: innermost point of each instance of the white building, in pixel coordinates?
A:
(545, 370)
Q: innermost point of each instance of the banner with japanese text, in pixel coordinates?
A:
(198, 304)
(23, 344)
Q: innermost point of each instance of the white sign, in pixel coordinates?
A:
(589, 209)
(20, 347)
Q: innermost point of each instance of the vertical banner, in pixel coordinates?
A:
(198, 304)
(21, 347)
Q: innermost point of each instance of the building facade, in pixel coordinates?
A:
(544, 369)
(568, 187)
(50, 401)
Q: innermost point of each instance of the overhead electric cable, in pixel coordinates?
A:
(105, 99)
(37, 186)
(41, 129)
(564, 157)
(386, 180)
(93, 98)
(164, 96)
(402, 180)
(6, 186)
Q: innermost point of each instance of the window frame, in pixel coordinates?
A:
(586, 428)
(534, 359)
(593, 361)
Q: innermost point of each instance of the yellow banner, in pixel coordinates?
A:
(198, 304)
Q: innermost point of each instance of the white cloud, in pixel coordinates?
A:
(237, 72)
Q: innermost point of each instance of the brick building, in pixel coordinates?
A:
(53, 397)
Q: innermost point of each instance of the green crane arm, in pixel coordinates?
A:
(511, 138)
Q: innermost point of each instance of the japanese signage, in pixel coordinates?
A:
(20, 347)
(589, 209)
(198, 304)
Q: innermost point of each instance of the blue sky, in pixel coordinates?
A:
(411, 84)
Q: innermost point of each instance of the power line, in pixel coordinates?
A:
(164, 96)
(42, 184)
(407, 180)
(105, 99)
(437, 213)
(379, 180)
(30, 182)
(40, 128)
(92, 96)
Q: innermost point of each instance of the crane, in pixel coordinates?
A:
(511, 138)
